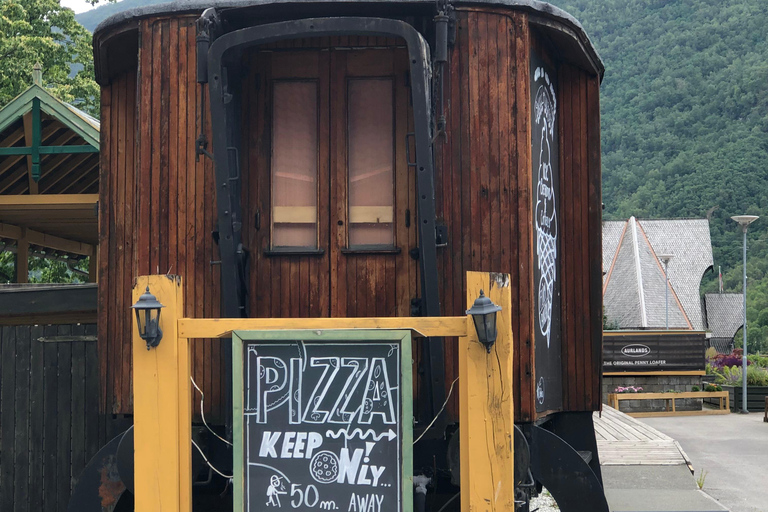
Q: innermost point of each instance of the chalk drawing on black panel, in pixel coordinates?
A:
(545, 108)
(275, 489)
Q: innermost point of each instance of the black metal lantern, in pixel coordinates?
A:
(147, 310)
(483, 313)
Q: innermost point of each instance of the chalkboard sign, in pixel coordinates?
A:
(322, 420)
(547, 271)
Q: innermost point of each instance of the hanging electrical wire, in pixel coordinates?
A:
(202, 412)
(450, 391)
(208, 462)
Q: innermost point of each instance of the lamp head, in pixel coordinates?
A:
(483, 313)
(745, 220)
(147, 310)
(665, 258)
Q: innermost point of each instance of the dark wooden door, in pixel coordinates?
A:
(329, 188)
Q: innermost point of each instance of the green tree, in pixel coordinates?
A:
(43, 31)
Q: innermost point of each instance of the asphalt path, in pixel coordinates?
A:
(733, 451)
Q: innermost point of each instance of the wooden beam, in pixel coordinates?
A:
(40, 300)
(59, 244)
(22, 258)
(654, 374)
(10, 231)
(487, 412)
(27, 118)
(37, 137)
(9, 162)
(45, 240)
(93, 266)
(162, 406)
(446, 326)
(50, 201)
(50, 318)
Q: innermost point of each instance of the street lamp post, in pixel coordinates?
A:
(744, 221)
(665, 260)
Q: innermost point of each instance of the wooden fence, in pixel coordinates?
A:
(50, 425)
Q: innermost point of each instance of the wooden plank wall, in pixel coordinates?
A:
(483, 184)
(50, 425)
(483, 194)
(159, 206)
(580, 241)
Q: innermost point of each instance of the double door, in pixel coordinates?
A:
(327, 182)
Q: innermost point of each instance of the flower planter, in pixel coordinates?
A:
(719, 398)
(755, 397)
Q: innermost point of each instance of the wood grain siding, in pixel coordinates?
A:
(483, 194)
(159, 211)
(50, 425)
(483, 178)
(158, 205)
(580, 245)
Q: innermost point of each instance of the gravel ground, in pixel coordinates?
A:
(544, 502)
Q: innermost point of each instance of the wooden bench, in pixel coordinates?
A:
(614, 398)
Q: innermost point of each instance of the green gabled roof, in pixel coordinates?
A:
(80, 122)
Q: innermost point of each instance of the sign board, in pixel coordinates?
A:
(653, 351)
(322, 420)
(546, 236)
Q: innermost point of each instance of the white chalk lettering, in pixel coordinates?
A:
(315, 440)
(313, 413)
(298, 451)
(362, 478)
(268, 442)
(270, 386)
(348, 467)
(378, 394)
(285, 453)
(339, 412)
(376, 472)
(365, 502)
(296, 445)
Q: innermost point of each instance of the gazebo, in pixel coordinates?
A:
(49, 180)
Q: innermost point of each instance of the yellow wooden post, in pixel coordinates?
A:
(162, 415)
(486, 405)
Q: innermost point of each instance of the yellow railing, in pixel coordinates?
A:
(162, 393)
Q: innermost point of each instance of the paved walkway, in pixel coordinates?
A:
(645, 470)
(732, 449)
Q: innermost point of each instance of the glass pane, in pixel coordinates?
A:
(294, 164)
(371, 162)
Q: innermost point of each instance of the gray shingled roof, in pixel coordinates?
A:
(724, 313)
(633, 291)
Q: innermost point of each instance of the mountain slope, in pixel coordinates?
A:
(685, 122)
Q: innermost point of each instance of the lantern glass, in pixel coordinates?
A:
(483, 313)
(148, 319)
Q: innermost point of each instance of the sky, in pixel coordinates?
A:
(77, 5)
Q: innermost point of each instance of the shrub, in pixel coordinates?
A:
(732, 376)
(712, 387)
(695, 388)
(757, 376)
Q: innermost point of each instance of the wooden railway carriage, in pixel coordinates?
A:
(353, 158)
